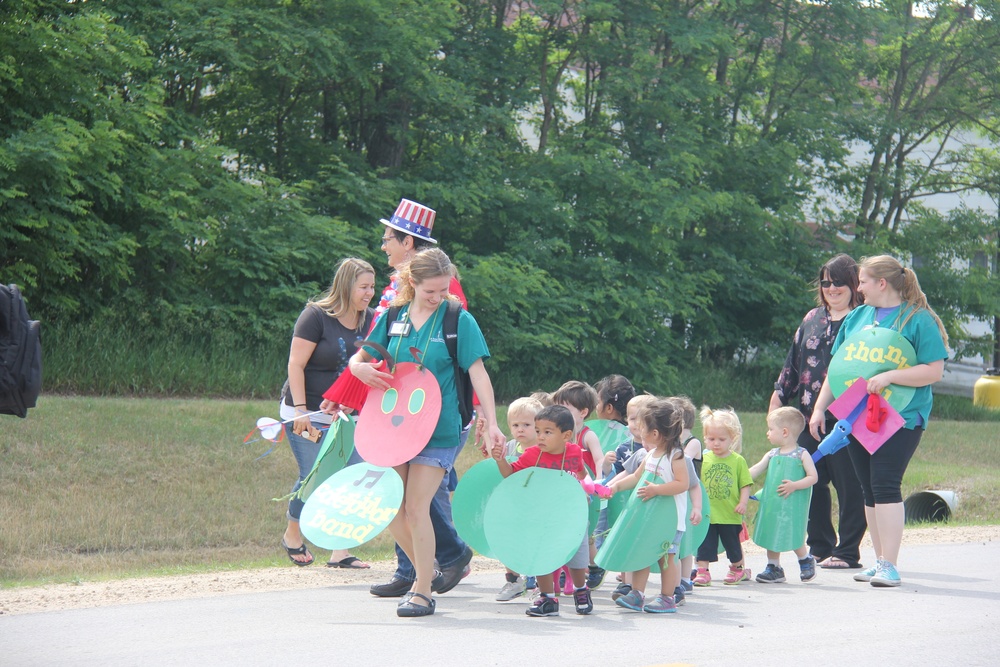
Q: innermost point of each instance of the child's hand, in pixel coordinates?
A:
(695, 517)
(741, 508)
(647, 491)
(610, 458)
(497, 450)
(786, 488)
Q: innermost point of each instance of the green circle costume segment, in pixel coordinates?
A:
(642, 533)
(609, 432)
(781, 522)
(352, 507)
(468, 505)
(536, 520)
(336, 448)
(695, 535)
(867, 353)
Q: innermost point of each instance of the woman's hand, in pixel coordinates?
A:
(817, 424)
(368, 373)
(300, 424)
(496, 436)
(331, 408)
(481, 428)
(695, 517)
(878, 383)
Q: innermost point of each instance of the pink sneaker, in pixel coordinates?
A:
(736, 574)
(703, 577)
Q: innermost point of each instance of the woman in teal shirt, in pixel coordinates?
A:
(893, 299)
(423, 294)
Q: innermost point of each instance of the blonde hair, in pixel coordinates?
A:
(639, 402)
(787, 417)
(688, 411)
(904, 281)
(337, 300)
(543, 397)
(525, 405)
(426, 264)
(727, 419)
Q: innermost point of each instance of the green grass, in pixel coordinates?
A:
(99, 358)
(96, 488)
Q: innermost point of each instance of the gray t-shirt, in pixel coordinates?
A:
(334, 348)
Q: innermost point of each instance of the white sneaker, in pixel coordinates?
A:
(511, 590)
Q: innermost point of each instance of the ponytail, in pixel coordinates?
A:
(904, 281)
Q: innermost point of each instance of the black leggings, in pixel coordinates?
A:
(729, 535)
(881, 473)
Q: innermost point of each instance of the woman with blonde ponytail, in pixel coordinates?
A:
(417, 335)
(893, 299)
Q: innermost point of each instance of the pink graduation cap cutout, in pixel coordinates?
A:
(876, 420)
(395, 424)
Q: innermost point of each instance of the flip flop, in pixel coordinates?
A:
(300, 551)
(834, 563)
(349, 563)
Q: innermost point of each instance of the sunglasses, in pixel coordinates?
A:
(831, 283)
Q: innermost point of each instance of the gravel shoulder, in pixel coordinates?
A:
(58, 597)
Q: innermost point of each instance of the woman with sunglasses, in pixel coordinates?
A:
(798, 385)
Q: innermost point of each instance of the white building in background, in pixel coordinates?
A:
(959, 376)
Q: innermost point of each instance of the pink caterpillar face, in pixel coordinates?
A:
(395, 424)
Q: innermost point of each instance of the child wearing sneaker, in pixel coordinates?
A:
(555, 449)
(521, 422)
(727, 480)
(660, 427)
(692, 450)
(629, 465)
(582, 400)
(613, 394)
(783, 428)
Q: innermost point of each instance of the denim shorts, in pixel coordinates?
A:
(437, 457)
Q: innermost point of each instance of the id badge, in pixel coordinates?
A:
(398, 328)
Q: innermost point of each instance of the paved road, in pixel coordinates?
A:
(946, 613)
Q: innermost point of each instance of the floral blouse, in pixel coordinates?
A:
(808, 360)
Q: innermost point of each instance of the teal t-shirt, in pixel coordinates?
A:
(430, 339)
(723, 479)
(923, 334)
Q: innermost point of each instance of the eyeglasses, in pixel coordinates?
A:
(831, 283)
(385, 240)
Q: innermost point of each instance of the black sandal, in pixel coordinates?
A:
(407, 609)
(300, 551)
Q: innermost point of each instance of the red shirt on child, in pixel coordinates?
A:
(571, 460)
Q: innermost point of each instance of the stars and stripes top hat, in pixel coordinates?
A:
(413, 219)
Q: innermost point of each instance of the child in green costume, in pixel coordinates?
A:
(660, 426)
(786, 460)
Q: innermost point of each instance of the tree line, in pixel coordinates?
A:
(632, 186)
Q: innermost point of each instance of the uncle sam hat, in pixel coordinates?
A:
(413, 219)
